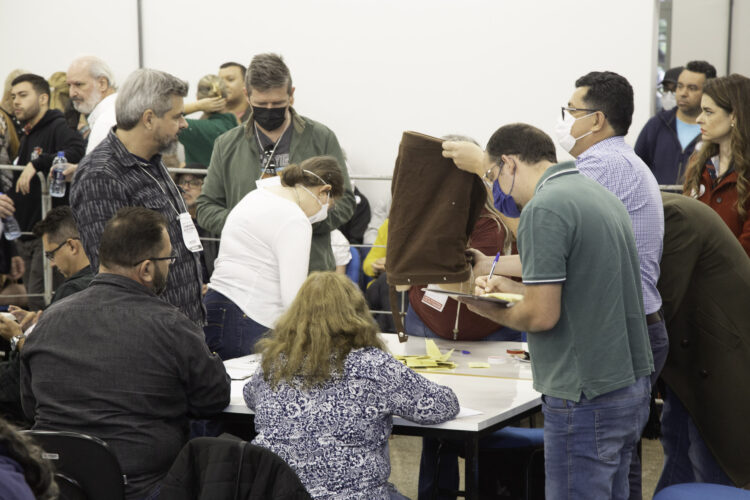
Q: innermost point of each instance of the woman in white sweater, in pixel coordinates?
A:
(264, 254)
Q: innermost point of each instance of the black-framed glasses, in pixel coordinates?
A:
(51, 254)
(192, 183)
(570, 110)
(172, 258)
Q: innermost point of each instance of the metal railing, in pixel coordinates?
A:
(46, 205)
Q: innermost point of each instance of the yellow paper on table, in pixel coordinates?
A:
(434, 352)
(479, 365)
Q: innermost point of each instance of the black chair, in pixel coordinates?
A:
(224, 468)
(85, 467)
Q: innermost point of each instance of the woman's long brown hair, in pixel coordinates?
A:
(310, 342)
(732, 94)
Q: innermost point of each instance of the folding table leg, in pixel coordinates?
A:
(471, 468)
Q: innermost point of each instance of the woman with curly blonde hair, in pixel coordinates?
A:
(719, 173)
(326, 392)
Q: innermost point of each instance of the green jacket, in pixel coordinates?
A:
(235, 166)
(200, 135)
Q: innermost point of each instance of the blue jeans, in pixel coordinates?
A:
(687, 459)
(588, 445)
(657, 335)
(229, 332)
(416, 327)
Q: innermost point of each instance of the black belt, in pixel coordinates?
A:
(654, 317)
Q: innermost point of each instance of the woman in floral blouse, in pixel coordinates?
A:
(326, 392)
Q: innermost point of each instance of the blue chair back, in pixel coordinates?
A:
(354, 265)
(702, 491)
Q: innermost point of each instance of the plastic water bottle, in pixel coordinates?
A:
(11, 229)
(57, 184)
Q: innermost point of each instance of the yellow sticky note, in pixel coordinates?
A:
(479, 365)
(446, 356)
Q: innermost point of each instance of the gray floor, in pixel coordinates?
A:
(405, 452)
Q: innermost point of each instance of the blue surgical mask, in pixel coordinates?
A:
(504, 203)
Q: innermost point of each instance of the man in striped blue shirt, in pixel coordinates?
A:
(592, 129)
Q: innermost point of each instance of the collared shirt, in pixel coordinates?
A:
(111, 177)
(116, 362)
(614, 165)
(101, 120)
(576, 233)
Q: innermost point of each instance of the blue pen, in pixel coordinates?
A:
(494, 263)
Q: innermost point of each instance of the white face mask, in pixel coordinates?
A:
(668, 100)
(321, 214)
(562, 131)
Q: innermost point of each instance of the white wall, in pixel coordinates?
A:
(369, 69)
(43, 36)
(700, 30)
(740, 57)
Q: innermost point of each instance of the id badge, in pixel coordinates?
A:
(189, 233)
(268, 182)
(436, 301)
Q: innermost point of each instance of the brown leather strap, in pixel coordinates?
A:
(398, 320)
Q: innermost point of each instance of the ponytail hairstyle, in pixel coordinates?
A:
(732, 94)
(324, 167)
(37, 471)
(59, 91)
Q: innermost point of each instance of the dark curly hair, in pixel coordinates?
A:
(38, 472)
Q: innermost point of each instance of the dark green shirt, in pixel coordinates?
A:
(576, 233)
(200, 135)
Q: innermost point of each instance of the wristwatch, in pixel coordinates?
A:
(15, 340)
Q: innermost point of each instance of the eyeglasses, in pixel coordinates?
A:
(570, 110)
(51, 254)
(191, 183)
(172, 258)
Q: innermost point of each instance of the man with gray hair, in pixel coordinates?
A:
(126, 170)
(274, 136)
(93, 93)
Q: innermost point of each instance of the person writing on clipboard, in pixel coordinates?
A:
(582, 311)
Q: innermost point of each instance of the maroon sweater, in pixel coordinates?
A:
(488, 238)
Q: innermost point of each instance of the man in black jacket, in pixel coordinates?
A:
(116, 362)
(45, 132)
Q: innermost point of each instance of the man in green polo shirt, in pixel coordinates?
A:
(274, 136)
(582, 309)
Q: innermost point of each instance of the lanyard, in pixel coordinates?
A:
(273, 151)
(176, 211)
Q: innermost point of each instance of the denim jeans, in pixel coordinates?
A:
(229, 332)
(687, 459)
(588, 445)
(657, 335)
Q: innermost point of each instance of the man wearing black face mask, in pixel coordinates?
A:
(273, 136)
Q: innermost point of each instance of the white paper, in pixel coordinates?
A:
(467, 412)
(190, 234)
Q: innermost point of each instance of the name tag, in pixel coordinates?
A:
(190, 233)
(436, 301)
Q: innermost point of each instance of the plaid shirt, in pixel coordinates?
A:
(111, 177)
(614, 165)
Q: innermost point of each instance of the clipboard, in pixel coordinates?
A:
(481, 298)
